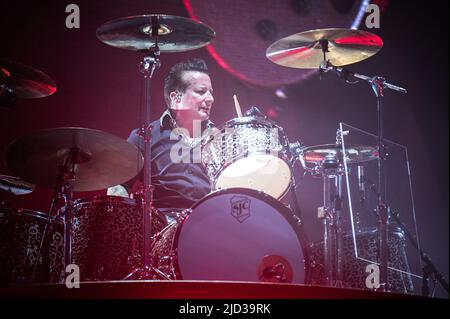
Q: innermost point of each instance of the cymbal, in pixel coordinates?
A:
(100, 159)
(15, 185)
(175, 34)
(355, 154)
(304, 50)
(26, 81)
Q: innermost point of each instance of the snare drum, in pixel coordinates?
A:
(234, 234)
(107, 236)
(20, 237)
(248, 152)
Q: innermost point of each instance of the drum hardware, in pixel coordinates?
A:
(361, 185)
(151, 35)
(429, 269)
(298, 217)
(63, 191)
(254, 111)
(332, 206)
(71, 159)
(165, 260)
(296, 149)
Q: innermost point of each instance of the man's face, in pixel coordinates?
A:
(196, 101)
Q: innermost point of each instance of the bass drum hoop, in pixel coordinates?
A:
(108, 200)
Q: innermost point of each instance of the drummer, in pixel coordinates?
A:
(178, 177)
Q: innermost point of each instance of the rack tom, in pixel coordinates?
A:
(248, 152)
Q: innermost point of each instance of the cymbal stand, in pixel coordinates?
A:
(331, 213)
(378, 84)
(382, 208)
(429, 269)
(148, 66)
(295, 151)
(63, 193)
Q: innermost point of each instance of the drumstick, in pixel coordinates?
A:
(238, 107)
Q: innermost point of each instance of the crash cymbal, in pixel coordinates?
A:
(355, 154)
(15, 185)
(175, 34)
(100, 159)
(304, 50)
(26, 81)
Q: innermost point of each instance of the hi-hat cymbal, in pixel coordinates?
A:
(355, 154)
(26, 81)
(175, 34)
(304, 50)
(15, 185)
(100, 159)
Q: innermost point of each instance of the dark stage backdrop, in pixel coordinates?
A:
(100, 87)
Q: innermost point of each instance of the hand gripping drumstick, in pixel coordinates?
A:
(238, 107)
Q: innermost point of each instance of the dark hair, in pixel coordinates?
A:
(174, 80)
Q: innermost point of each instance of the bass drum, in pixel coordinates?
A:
(234, 234)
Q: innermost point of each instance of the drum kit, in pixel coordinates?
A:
(240, 231)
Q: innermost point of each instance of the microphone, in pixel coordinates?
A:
(361, 185)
